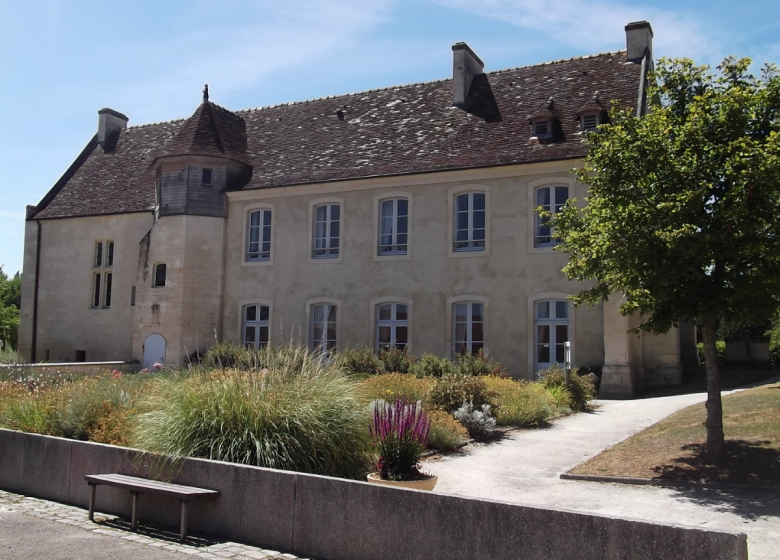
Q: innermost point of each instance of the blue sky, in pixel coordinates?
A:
(62, 60)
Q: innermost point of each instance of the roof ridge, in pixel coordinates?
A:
(155, 123)
(413, 84)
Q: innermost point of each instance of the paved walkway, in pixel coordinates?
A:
(43, 530)
(524, 468)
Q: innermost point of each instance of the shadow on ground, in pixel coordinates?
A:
(747, 462)
(168, 534)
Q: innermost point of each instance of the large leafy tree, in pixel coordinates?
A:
(10, 302)
(683, 212)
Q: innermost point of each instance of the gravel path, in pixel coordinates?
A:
(524, 468)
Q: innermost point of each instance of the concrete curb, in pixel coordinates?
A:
(668, 483)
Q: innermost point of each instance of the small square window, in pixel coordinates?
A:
(590, 122)
(541, 128)
(206, 177)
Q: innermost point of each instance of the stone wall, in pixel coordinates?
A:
(338, 519)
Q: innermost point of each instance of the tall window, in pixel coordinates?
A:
(102, 276)
(255, 327)
(469, 223)
(393, 226)
(258, 245)
(160, 271)
(323, 327)
(551, 326)
(468, 322)
(550, 199)
(327, 226)
(392, 326)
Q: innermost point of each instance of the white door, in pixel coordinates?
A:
(154, 350)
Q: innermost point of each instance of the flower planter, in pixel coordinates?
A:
(426, 483)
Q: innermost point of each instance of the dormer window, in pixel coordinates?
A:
(206, 177)
(590, 121)
(542, 128)
(592, 114)
(543, 122)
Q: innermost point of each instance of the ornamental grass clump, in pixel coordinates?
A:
(399, 432)
(300, 413)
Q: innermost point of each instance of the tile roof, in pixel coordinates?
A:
(392, 131)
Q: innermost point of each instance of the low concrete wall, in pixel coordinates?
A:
(331, 518)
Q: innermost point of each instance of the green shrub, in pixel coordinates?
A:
(33, 413)
(430, 365)
(301, 414)
(561, 396)
(446, 433)
(361, 361)
(720, 346)
(774, 345)
(97, 409)
(475, 364)
(520, 403)
(580, 387)
(395, 360)
(392, 386)
(449, 393)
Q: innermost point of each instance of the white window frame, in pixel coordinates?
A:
(533, 188)
(339, 255)
(378, 202)
(374, 318)
(258, 324)
(532, 331)
(248, 210)
(310, 305)
(451, 303)
(452, 195)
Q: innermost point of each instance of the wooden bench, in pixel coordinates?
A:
(144, 485)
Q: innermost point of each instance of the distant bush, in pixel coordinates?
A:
(520, 403)
(392, 386)
(446, 432)
(361, 361)
(720, 346)
(478, 364)
(478, 421)
(430, 365)
(300, 413)
(580, 387)
(395, 360)
(449, 393)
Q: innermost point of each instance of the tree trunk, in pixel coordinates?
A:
(716, 450)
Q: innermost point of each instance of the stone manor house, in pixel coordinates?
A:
(401, 217)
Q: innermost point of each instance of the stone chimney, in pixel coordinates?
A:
(639, 41)
(110, 124)
(465, 65)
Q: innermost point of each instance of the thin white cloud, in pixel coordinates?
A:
(597, 26)
(275, 36)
